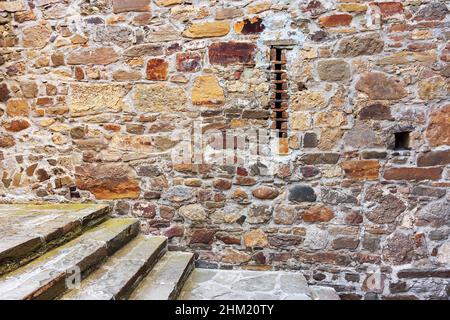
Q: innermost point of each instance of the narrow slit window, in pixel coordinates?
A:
(279, 91)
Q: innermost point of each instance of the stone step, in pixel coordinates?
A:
(324, 293)
(28, 231)
(51, 274)
(167, 278)
(121, 273)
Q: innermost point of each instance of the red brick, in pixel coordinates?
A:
(412, 173)
(336, 20)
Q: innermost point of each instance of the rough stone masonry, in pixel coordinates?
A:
(95, 94)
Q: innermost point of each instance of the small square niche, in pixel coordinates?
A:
(402, 140)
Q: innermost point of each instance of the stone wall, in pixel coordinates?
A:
(96, 94)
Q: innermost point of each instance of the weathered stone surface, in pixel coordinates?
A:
(410, 173)
(101, 56)
(389, 9)
(16, 125)
(432, 11)
(435, 214)
(329, 119)
(433, 158)
(443, 255)
(96, 98)
(249, 26)
(265, 193)
(233, 256)
(380, 87)
(301, 121)
(174, 232)
(428, 191)
(318, 214)
(107, 35)
(157, 69)
(399, 248)
(438, 131)
(122, 75)
(371, 242)
(361, 169)
(259, 214)
(159, 98)
(225, 13)
(179, 194)
(345, 243)
(162, 33)
(302, 193)
(434, 89)
(144, 210)
(144, 50)
(360, 45)
(193, 212)
(130, 5)
(168, 3)
(316, 238)
(202, 236)
(189, 62)
(334, 196)
(231, 52)
(17, 108)
(386, 207)
(375, 111)
(423, 273)
(29, 89)
(333, 70)
(304, 100)
(37, 36)
(108, 181)
(207, 91)
(6, 141)
(285, 214)
(12, 6)
(222, 184)
(208, 29)
(255, 239)
(310, 140)
(361, 136)
(4, 92)
(320, 158)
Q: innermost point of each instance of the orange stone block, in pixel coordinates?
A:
(157, 69)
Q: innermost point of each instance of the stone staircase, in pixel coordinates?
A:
(78, 252)
(46, 249)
